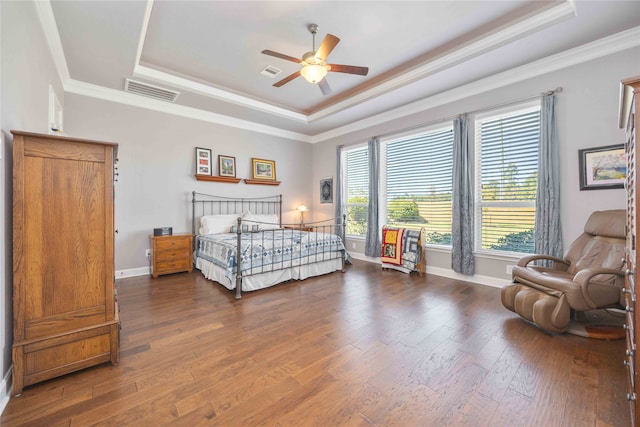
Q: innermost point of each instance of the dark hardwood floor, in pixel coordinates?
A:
(367, 347)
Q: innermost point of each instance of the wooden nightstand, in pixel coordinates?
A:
(299, 227)
(171, 254)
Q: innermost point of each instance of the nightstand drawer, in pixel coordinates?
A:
(172, 266)
(170, 255)
(172, 243)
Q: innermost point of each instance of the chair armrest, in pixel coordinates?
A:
(584, 277)
(524, 261)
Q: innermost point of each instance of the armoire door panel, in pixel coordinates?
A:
(69, 321)
(63, 243)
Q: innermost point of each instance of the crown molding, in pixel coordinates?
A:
(189, 85)
(143, 31)
(609, 45)
(483, 44)
(125, 98)
(603, 47)
(453, 57)
(50, 29)
(212, 92)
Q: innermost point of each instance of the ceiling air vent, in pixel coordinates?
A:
(270, 71)
(150, 91)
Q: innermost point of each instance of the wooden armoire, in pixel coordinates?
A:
(65, 311)
(629, 109)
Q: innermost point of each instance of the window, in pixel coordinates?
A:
(356, 175)
(418, 183)
(506, 179)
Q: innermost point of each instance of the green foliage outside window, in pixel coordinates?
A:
(357, 207)
(403, 210)
(516, 242)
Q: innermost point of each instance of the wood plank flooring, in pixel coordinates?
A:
(362, 348)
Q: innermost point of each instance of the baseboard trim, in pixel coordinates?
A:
(133, 272)
(438, 271)
(445, 272)
(5, 390)
(476, 278)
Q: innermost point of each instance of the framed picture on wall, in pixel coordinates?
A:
(263, 169)
(203, 161)
(602, 167)
(226, 166)
(326, 190)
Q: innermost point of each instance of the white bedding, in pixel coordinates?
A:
(265, 280)
(268, 257)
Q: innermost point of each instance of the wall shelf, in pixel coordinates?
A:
(218, 178)
(261, 181)
(235, 180)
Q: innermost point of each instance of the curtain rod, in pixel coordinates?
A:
(503, 104)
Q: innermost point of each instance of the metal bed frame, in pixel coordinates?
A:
(207, 204)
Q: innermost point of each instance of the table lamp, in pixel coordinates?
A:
(302, 209)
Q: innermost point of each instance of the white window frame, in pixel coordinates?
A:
(384, 142)
(520, 108)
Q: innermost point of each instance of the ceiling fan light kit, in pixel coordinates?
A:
(313, 73)
(314, 69)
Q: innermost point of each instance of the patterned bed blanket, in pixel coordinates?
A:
(268, 250)
(400, 247)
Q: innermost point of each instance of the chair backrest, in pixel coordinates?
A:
(601, 245)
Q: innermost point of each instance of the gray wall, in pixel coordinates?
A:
(157, 150)
(27, 71)
(157, 163)
(587, 117)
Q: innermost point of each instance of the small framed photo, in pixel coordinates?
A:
(203, 161)
(226, 166)
(602, 167)
(263, 169)
(326, 190)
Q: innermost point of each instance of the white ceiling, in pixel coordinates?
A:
(210, 52)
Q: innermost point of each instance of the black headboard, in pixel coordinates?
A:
(208, 204)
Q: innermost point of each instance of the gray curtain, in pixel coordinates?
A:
(372, 243)
(337, 187)
(462, 212)
(548, 232)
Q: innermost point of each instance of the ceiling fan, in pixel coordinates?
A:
(314, 66)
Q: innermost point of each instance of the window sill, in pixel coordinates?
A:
(502, 256)
(442, 249)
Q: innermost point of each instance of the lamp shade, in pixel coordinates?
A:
(302, 208)
(313, 72)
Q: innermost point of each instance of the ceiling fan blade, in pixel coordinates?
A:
(330, 41)
(287, 79)
(281, 56)
(349, 69)
(324, 87)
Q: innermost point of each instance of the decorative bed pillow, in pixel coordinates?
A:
(264, 221)
(213, 224)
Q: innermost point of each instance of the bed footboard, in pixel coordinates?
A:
(260, 248)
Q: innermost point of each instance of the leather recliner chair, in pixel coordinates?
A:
(590, 276)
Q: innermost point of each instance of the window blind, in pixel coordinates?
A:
(357, 184)
(419, 183)
(507, 168)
